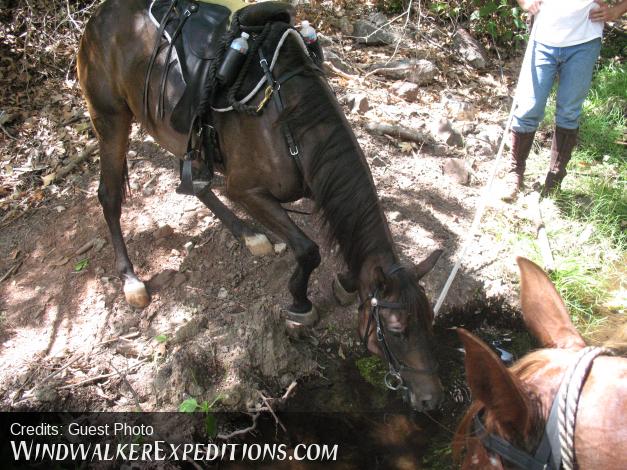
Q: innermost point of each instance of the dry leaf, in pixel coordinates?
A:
(48, 179)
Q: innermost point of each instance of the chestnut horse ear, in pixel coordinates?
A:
(428, 263)
(495, 386)
(543, 309)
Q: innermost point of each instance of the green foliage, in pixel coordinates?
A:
(82, 264)
(502, 20)
(392, 6)
(191, 405)
(373, 370)
(162, 338)
(594, 199)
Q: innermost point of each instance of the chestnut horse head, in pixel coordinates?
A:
(263, 169)
(514, 404)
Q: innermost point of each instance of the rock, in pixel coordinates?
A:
(46, 393)
(366, 33)
(470, 49)
(468, 128)
(188, 247)
(358, 103)
(418, 71)
(162, 279)
(163, 231)
(455, 168)
(280, 248)
(491, 134)
(443, 130)
(459, 109)
(179, 279)
(189, 330)
(222, 293)
(332, 58)
(346, 27)
(378, 19)
(324, 41)
(406, 90)
(378, 161)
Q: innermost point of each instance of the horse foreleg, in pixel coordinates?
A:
(267, 210)
(257, 243)
(113, 133)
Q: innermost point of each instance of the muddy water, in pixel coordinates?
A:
(373, 427)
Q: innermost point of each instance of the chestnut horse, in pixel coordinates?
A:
(514, 403)
(260, 175)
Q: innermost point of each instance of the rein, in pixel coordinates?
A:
(393, 378)
(557, 447)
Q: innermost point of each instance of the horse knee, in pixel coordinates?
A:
(309, 257)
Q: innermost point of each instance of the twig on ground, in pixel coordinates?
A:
(399, 132)
(103, 376)
(130, 387)
(269, 408)
(400, 39)
(11, 271)
(240, 432)
(91, 148)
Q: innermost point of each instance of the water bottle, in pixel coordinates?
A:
(233, 60)
(308, 32)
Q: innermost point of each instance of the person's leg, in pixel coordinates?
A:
(575, 77)
(536, 80)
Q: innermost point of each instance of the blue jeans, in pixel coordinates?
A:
(542, 64)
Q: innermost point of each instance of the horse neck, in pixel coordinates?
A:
(600, 430)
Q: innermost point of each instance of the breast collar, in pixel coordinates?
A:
(557, 445)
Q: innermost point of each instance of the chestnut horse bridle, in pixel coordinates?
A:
(556, 449)
(393, 378)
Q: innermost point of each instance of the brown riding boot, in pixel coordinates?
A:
(564, 141)
(513, 180)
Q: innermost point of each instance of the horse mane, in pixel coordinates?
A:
(337, 172)
(464, 437)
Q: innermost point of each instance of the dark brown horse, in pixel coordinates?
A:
(260, 176)
(514, 404)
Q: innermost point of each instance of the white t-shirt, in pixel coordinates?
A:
(562, 23)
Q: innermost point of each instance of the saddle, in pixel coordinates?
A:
(195, 33)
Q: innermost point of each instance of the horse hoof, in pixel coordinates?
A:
(296, 320)
(136, 294)
(259, 245)
(343, 297)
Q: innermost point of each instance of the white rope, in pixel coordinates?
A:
(484, 197)
(569, 398)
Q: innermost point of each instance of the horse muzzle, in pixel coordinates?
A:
(424, 398)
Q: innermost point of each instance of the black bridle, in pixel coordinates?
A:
(541, 460)
(393, 378)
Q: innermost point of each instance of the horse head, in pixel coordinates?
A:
(395, 323)
(506, 426)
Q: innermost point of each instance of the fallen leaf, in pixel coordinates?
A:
(48, 179)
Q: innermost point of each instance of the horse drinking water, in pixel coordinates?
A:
(293, 141)
(563, 406)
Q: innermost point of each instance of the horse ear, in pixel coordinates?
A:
(543, 309)
(428, 263)
(495, 386)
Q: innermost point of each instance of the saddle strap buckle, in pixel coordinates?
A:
(267, 94)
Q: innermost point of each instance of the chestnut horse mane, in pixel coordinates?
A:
(523, 368)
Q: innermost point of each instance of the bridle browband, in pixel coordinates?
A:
(556, 449)
(393, 378)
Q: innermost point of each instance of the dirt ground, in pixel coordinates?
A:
(68, 340)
